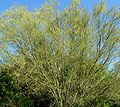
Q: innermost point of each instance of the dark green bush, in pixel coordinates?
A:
(10, 96)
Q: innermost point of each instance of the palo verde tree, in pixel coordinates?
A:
(67, 55)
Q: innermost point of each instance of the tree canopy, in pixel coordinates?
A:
(69, 58)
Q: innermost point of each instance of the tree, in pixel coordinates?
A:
(66, 55)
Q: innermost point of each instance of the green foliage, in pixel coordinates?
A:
(10, 96)
(63, 57)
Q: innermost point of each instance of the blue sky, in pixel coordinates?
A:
(33, 4)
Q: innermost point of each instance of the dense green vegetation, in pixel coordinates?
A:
(66, 58)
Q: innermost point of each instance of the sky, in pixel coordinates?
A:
(33, 4)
